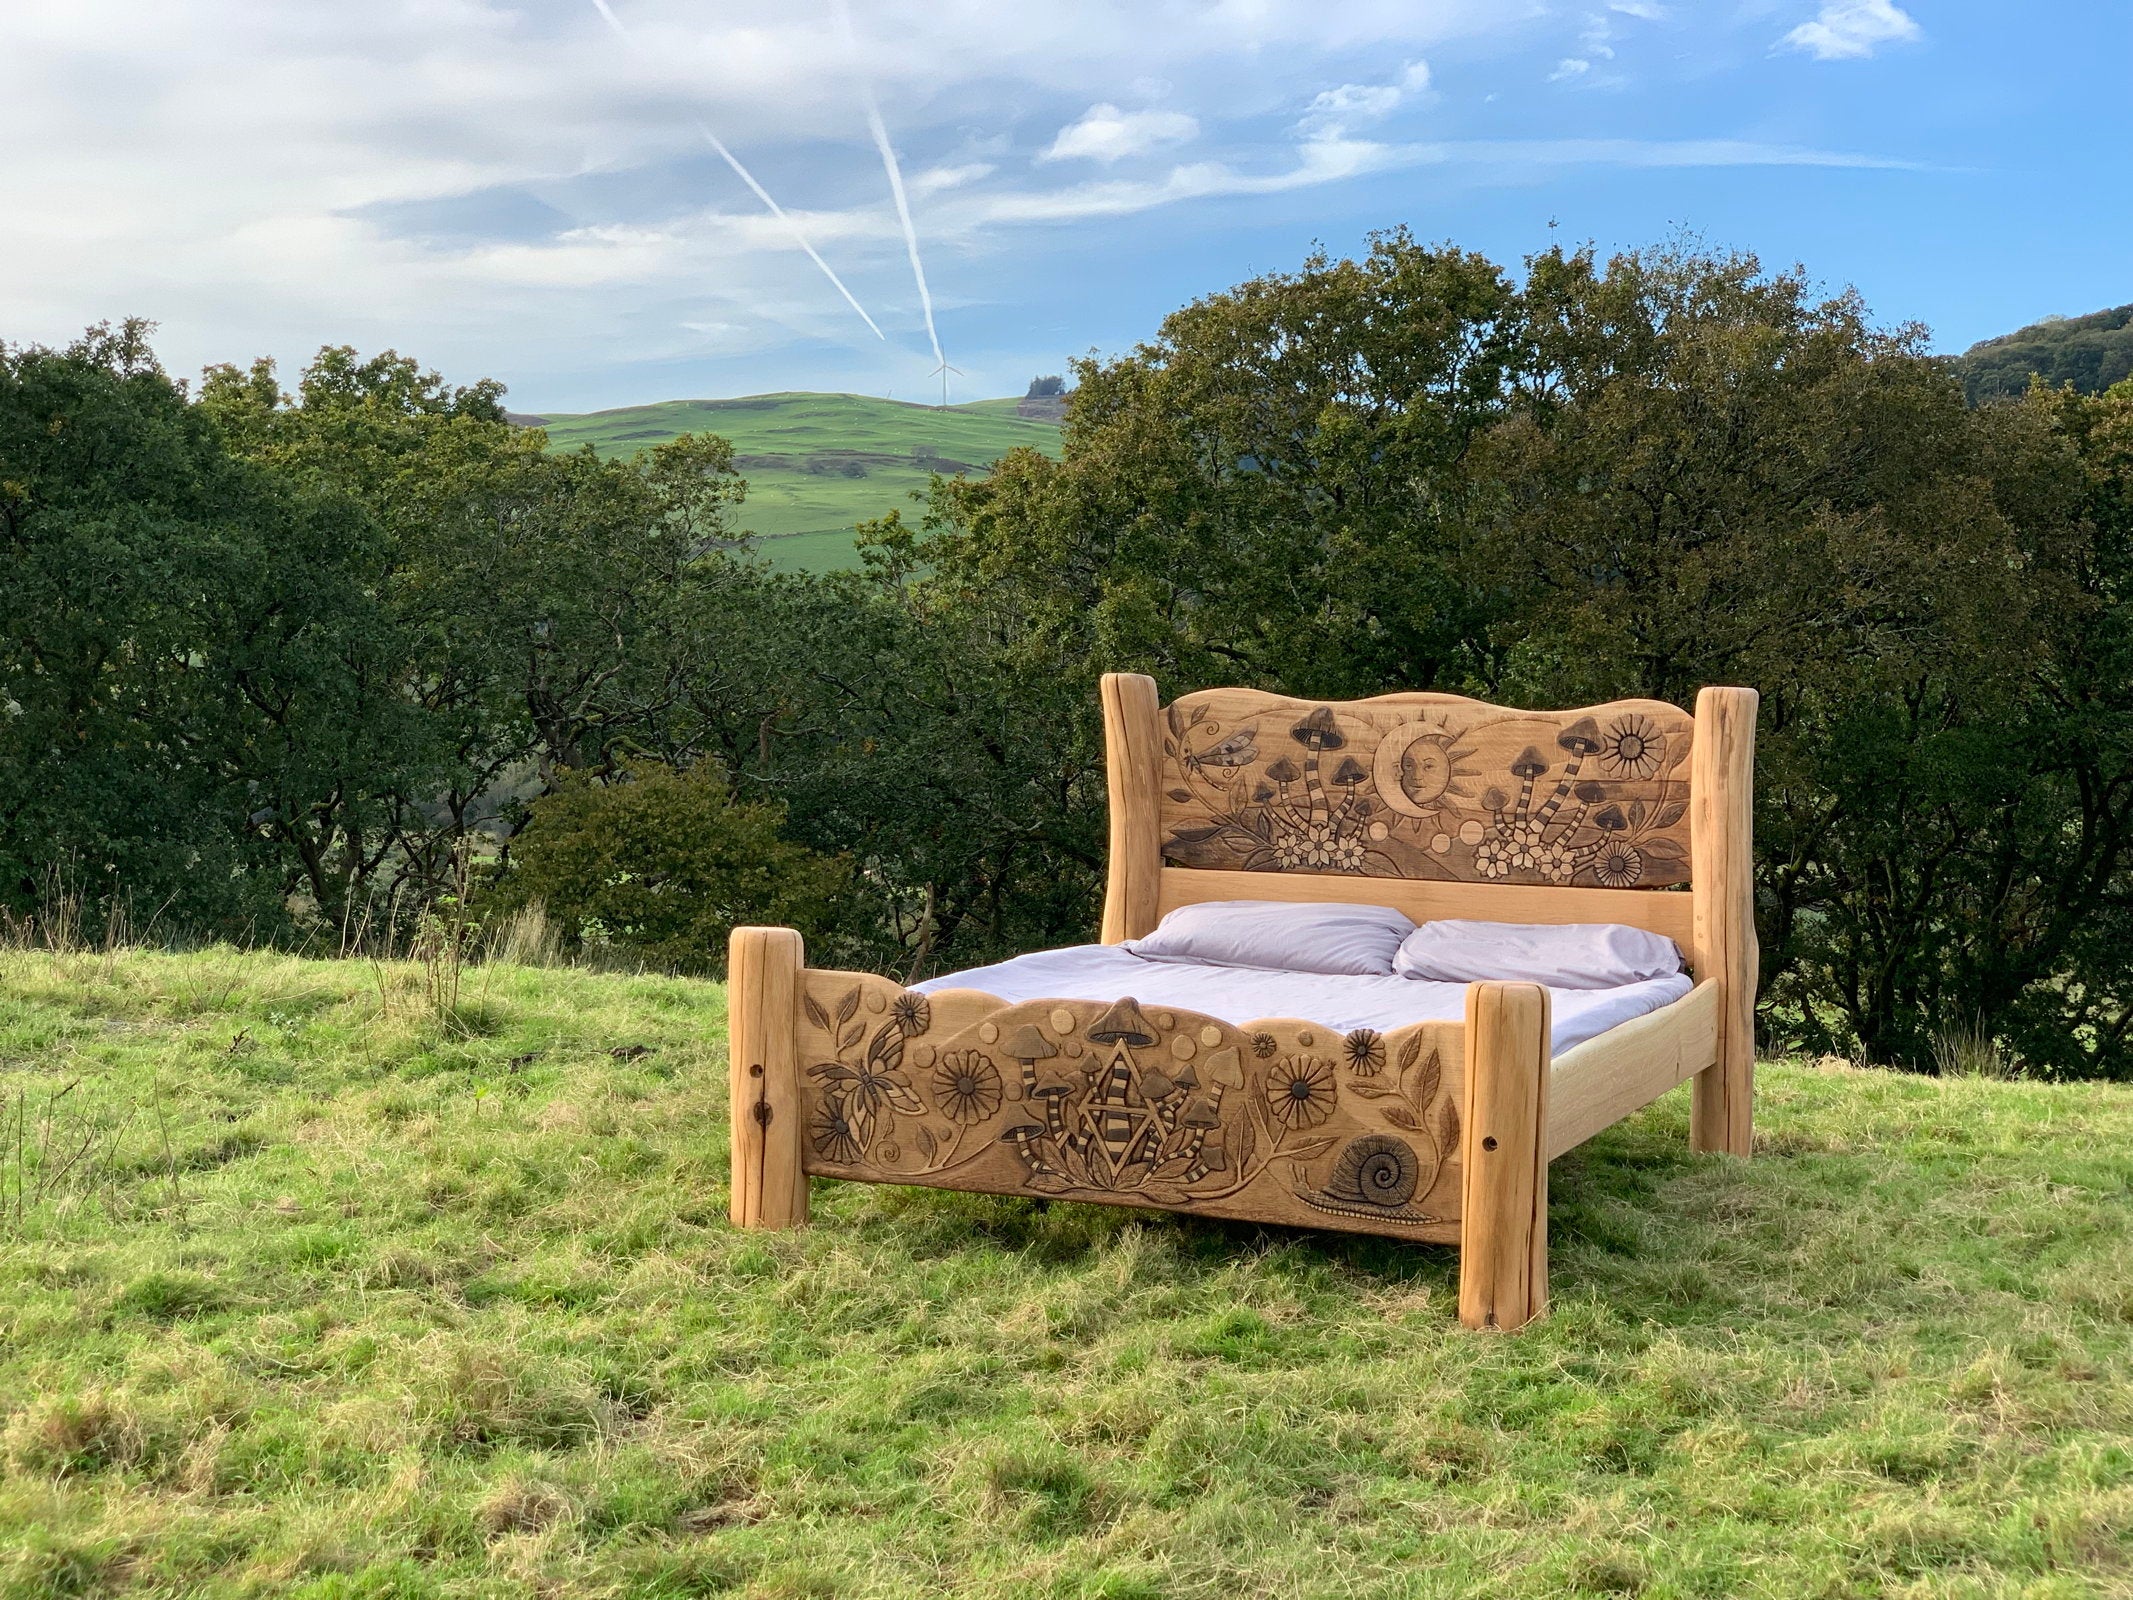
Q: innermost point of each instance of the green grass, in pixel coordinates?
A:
(355, 1305)
(817, 464)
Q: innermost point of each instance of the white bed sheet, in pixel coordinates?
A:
(1246, 994)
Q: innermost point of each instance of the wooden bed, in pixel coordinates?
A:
(1632, 812)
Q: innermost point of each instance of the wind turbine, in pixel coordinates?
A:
(941, 372)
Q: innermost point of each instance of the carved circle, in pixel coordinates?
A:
(1210, 1035)
(1306, 1038)
(922, 1055)
(1062, 1020)
(1183, 1048)
(875, 1002)
(1470, 832)
(1165, 1021)
(989, 1032)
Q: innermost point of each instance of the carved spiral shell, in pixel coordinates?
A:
(1374, 1176)
(1378, 1170)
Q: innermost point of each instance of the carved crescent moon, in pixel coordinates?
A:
(1385, 766)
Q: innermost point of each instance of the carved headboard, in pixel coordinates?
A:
(1436, 804)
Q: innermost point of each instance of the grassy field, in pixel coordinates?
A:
(339, 1301)
(816, 464)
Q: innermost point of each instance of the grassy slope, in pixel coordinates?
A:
(806, 517)
(411, 1319)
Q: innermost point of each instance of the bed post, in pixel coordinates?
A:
(1133, 769)
(1503, 1224)
(1722, 878)
(762, 997)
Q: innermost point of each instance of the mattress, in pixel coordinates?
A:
(1248, 994)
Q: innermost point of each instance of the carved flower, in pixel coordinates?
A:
(1492, 858)
(1319, 847)
(1366, 1052)
(912, 1013)
(831, 1129)
(966, 1086)
(1263, 1045)
(1632, 747)
(1299, 1091)
(1619, 864)
(1558, 863)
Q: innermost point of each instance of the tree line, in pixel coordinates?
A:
(283, 664)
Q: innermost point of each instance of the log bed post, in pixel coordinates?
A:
(762, 999)
(1722, 878)
(1133, 768)
(1503, 1229)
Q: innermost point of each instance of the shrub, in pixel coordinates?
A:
(663, 865)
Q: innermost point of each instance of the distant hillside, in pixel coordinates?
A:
(2091, 353)
(817, 464)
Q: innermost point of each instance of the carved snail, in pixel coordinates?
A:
(1374, 1176)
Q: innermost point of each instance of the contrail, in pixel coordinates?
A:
(896, 178)
(608, 16)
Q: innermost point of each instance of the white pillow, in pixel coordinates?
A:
(1578, 955)
(1346, 941)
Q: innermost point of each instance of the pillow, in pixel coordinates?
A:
(1578, 955)
(1344, 941)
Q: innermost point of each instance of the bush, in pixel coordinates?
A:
(663, 864)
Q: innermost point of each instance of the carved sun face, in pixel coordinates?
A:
(1420, 769)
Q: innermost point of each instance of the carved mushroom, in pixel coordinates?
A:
(1349, 773)
(1284, 772)
(1028, 1045)
(1019, 1136)
(1225, 1069)
(1529, 764)
(1202, 1113)
(1053, 1086)
(1317, 732)
(1155, 1085)
(1122, 1023)
(1581, 738)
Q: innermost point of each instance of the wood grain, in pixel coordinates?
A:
(1596, 1084)
(1503, 1246)
(1671, 915)
(1133, 754)
(1722, 850)
(1428, 786)
(762, 1010)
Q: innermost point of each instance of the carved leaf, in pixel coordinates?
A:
(1410, 1052)
(1310, 1149)
(846, 1006)
(1669, 816)
(851, 1036)
(1180, 796)
(927, 1144)
(1448, 1130)
(1173, 1168)
(1428, 1080)
(1370, 1089)
(1192, 835)
(815, 1013)
(1400, 1117)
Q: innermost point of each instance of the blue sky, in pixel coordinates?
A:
(512, 190)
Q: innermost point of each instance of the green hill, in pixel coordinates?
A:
(817, 464)
(2091, 353)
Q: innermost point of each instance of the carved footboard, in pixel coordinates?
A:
(1430, 1132)
(1279, 1121)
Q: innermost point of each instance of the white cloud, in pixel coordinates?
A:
(1853, 29)
(1336, 113)
(1105, 133)
(1568, 68)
